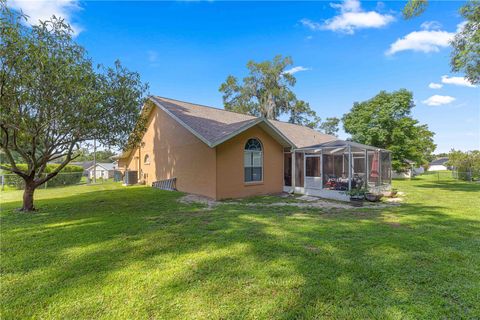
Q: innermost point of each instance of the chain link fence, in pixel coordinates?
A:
(15, 182)
(448, 175)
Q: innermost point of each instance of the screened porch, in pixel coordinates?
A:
(330, 169)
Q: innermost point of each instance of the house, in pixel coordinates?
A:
(439, 164)
(101, 170)
(84, 164)
(222, 154)
(410, 172)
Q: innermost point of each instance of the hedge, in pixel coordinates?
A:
(69, 175)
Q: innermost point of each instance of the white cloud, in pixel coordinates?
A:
(458, 81)
(422, 41)
(430, 39)
(350, 18)
(434, 85)
(431, 25)
(311, 24)
(437, 100)
(296, 69)
(44, 9)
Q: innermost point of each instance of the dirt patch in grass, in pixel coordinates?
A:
(281, 201)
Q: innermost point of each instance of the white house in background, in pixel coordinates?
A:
(412, 171)
(102, 170)
(438, 164)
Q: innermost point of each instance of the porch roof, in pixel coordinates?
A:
(341, 144)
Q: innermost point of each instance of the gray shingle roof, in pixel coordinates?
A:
(215, 125)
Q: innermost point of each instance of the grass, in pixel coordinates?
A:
(106, 251)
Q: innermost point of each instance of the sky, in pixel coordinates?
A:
(343, 52)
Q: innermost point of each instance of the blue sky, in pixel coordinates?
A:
(350, 51)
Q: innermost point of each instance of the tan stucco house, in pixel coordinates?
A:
(222, 154)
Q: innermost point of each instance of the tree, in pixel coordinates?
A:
(385, 122)
(330, 126)
(466, 164)
(52, 99)
(267, 92)
(466, 44)
(465, 55)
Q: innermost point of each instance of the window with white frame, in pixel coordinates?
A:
(253, 161)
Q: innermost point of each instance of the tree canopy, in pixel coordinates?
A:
(466, 44)
(385, 121)
(52, 99)
(267, 92)
(466, 164)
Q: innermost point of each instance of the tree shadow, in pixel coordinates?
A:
(237, 261)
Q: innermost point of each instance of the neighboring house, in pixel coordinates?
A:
(101, 170)
(412, 171)
(222, 154)
(439, 164)
(84, 164)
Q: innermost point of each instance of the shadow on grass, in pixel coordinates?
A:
(452, 186)
(238, 261)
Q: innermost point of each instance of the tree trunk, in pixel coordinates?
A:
(28, 196)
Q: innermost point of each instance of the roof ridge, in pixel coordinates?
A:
(205, 106)
(243, 114)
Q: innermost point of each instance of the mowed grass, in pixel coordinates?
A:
(111, 252)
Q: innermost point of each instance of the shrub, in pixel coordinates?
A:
(69, 175)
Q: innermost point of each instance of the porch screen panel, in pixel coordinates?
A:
(287, 169)
(386, 172)
(299, 169)
(312, 165)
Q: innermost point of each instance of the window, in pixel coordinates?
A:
(146, 159)
(253, 161)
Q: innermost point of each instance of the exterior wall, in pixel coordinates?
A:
(230, 170)
(174, 152)
(437, 167)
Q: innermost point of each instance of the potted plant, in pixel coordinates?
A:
(357, 195)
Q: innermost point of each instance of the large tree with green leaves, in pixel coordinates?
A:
(385, 121)
(52, 99)
(465, 55)
(267, 92)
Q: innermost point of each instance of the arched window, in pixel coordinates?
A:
(146, 159)
(253, 161)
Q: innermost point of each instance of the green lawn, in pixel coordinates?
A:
(106, 251)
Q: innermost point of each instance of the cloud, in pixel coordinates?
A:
(437, 100)
(434, 85)
(152, 57)
(431, 25)
(430, 39)
(422, 41)
(44, 9)
(296, 69)
(350, 18)
(458, 81)
(311, 24)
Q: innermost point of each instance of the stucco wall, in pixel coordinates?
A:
(175, 152)
(230, 171)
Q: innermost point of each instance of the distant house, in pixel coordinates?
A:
(412, 171)
(101, 170)
(84, 164)
(438, 165)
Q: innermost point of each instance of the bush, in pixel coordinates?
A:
(69, 175)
